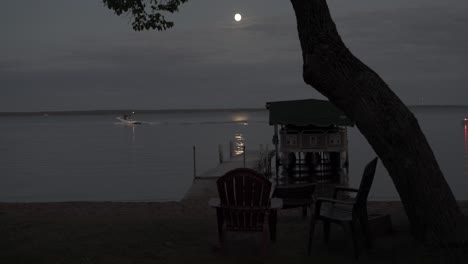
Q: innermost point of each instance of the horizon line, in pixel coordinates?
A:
(123, 111)
(147, 111)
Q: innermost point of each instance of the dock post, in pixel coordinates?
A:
(243, 153)
(220, 153)
(194, 163)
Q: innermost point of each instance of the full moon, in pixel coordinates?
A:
(237, 17)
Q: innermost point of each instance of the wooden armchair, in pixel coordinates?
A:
(245, 204)
(345, 212)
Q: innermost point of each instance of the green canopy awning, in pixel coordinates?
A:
(306, 112)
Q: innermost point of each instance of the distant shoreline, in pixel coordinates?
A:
(165, 111)
(137, 111)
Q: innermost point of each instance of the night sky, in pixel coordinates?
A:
(78, 55)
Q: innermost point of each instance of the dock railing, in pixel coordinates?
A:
(259, 159)
(264, 162)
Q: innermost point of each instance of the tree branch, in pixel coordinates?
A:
(146, 14)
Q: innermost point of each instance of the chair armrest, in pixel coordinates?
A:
(320, 200)
(343, 189)
(272, 190)
(214, 202)
(276, 203)
(328, 200)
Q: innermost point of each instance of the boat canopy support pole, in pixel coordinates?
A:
(277, 160)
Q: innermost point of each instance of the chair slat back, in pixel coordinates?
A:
(245, 198)
(365, 186)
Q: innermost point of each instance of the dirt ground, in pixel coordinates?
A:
(106, 232)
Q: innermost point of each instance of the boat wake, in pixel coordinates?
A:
(137, 124)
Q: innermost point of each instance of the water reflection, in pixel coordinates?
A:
(238, 144)
(239, 117)
(132, 127)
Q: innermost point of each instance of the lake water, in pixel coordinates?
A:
(91, 158)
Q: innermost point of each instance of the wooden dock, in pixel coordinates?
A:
(204, 185)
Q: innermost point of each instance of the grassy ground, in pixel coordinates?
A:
(116, 233)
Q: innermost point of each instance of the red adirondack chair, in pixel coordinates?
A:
(245, 204)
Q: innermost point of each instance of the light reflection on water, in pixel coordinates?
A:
(239, 143)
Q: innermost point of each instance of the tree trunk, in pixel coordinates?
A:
(388, 125)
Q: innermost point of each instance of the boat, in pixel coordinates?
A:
(128, 119)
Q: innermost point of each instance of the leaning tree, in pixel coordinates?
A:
(388, 125)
